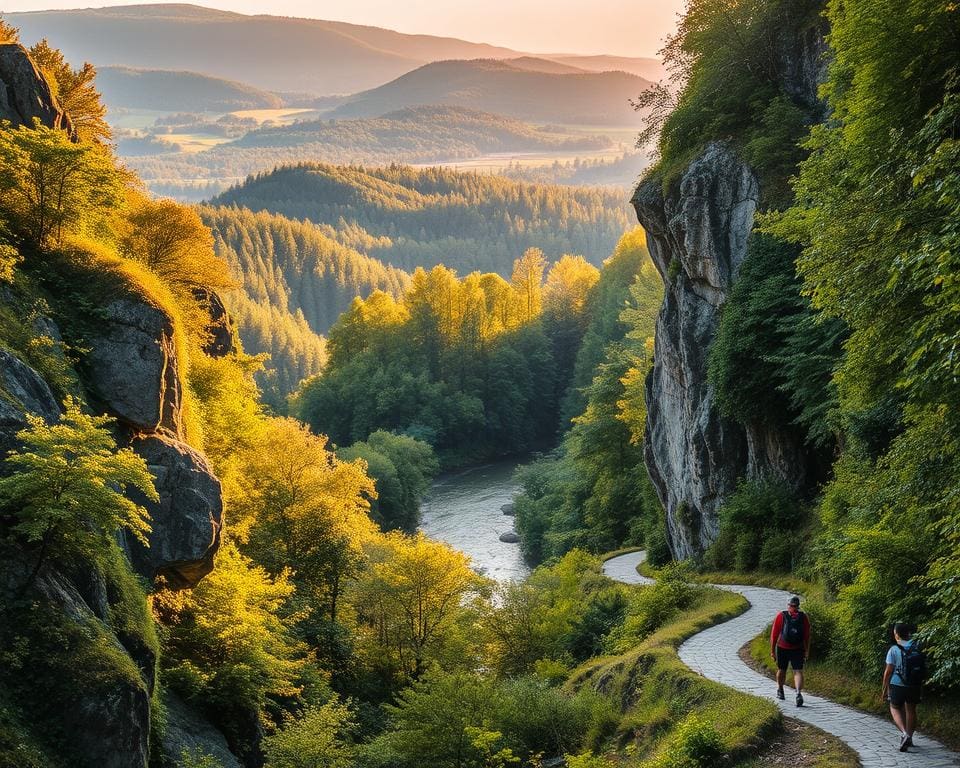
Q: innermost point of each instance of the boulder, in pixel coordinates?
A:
(509, 537)
(508, 509)
(187, 730)
(25, 94)
(697, 236)
(132, 368)
(186, 522)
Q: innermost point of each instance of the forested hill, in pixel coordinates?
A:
(411, 217)
(296, 280)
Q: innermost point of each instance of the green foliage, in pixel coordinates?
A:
(455, 359)
(66, 491)
(771, 361)
(319, 738)
(730, 60)
(197, 758)
(651, 607)
(694, 744)
(761, 526)
(52, 187)
(876, 213)
(462, 720)
(401, 468)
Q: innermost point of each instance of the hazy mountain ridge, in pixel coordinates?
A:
(270, 52)
(175, 91)
(502, 87)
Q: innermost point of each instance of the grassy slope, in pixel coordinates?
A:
(655, 690)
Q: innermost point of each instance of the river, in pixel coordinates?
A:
(463, 509)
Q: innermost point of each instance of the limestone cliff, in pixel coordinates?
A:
(697, 231)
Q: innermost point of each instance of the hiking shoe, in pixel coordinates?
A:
(904, 742)
(780, 694)
(799, 699)
(909, 741)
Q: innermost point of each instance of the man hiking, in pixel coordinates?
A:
(903, 681)
(790, 645)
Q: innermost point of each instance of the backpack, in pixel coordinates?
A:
(792, 631)
(913, 666)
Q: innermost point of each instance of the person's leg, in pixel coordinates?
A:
(781, 669)
(781, 677)
(798, 679)
(896, 712)
(910, 719)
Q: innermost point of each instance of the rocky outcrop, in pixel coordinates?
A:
(697, 235)
(109, 722)
(22, 391)
(188, 731)
(132, 368)
(24, 93)
(222, 336)
(186, 522)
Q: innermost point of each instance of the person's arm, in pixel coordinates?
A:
(775, 633)
(885, 690)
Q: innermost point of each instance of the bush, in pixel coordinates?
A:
(761, 526)
(695, 744)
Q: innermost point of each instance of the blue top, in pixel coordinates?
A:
(895, 657)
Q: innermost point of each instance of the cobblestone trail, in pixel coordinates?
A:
(713, 653)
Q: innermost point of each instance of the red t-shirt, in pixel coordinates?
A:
(775, 633)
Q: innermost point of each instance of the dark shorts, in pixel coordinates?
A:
(791, 656)
(901, 694)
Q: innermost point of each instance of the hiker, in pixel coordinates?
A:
(790, 645)
(903, 682)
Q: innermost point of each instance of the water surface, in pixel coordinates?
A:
(463, 509)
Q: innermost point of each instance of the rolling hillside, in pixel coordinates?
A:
(411, 217)
(173, 91)
(593, 98)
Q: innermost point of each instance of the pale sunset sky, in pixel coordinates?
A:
(616, 27)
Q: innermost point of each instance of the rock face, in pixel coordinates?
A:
(187, 520)
(24, 93)
(697, 235)
(132, 368)
(22, 391)
(187, 730)
(222, 335)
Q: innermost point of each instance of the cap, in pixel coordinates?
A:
(794, 601)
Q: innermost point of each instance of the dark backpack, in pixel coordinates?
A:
(792, 631)
(913, 666)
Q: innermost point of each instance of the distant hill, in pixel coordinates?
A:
(444, 131)
(270, 52)
(422, 217)
(173, 91)
(647, 68)
(536, 64)
(595, 98)
(273, 53)
(415, 135)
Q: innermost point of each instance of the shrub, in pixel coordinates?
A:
(695, 744)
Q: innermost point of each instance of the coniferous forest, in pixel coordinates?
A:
(220, 424)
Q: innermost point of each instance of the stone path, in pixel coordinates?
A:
(714, 654)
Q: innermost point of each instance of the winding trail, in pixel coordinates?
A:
(713, 653)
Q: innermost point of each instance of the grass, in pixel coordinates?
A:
(655, 692)
(939, 715)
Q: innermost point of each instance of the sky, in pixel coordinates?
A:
(615, 27)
